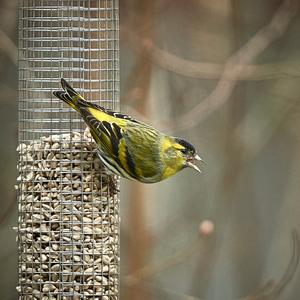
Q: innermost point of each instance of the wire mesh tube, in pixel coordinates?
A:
(68, 223)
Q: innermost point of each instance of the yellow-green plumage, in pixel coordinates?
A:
(130, 148)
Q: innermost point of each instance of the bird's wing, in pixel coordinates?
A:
(109, 132)
(122, 116)
(97, 111)
(106, 130)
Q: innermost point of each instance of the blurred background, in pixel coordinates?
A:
(225, 75)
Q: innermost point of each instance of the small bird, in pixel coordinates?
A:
(130, 148)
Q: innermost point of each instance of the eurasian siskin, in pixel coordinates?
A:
(130, 148)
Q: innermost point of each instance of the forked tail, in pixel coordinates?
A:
(68, 95)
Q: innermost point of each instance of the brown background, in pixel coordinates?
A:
(178, 71)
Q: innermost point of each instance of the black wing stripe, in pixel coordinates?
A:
(130, 164)
(112, 165)
(117, 131)
(93, 122)
(108, 127)
(66, 86)
(62, 95)
(85, 104)
(102, 128)
(113, 138)
(126, 117)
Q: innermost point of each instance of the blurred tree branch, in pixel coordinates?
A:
(234, 65)
(237, 67)
(204, 70)
(269, 291)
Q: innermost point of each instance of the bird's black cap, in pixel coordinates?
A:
(189, 147)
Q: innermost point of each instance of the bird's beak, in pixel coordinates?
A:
(197, 157)
(191, 163)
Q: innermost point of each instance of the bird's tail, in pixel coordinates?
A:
(68, 95)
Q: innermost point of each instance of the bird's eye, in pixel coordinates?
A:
(185, 151)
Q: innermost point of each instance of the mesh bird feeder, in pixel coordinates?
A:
(68, 222)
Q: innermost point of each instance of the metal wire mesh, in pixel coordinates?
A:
(68, 223)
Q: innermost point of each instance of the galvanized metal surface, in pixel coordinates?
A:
(68, 224)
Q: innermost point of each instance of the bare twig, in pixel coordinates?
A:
(237, 67)
(292, 267)
(204, 70)
(234, 65)
(271, 290)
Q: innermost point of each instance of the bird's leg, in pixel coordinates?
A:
(113, 184)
